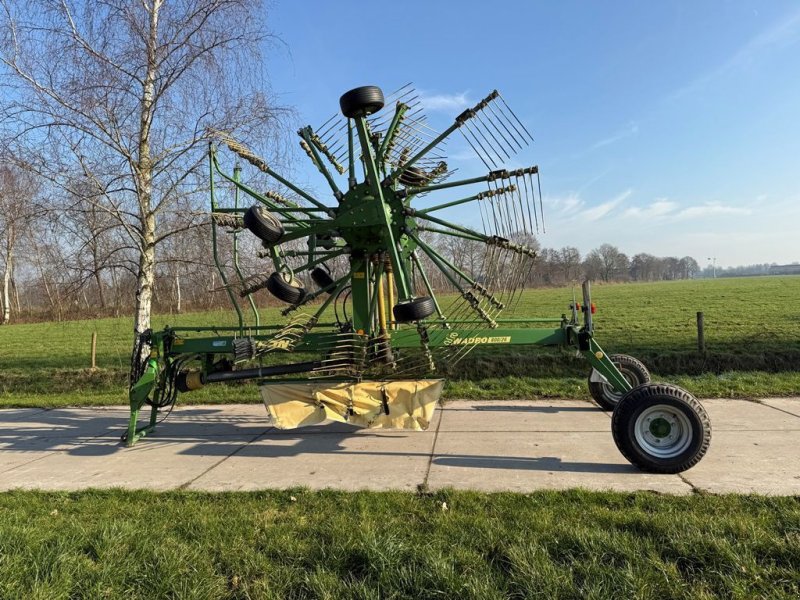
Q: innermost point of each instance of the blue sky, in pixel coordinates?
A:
(663, 127)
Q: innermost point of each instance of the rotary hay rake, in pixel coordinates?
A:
(380, 361)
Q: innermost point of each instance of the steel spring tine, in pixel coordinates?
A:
(424, 136)
(498, 119)
(521, 124)
(472, 127)
(519, 204)
(479, 119)
(511, 211)
(493, 210)
(506, 217)
(528, 193)
(498, 211)
(523, 202)
(331, 123)
(541, 200)
(482, 210)
(482, 154)
(516, 199)
(504, 118)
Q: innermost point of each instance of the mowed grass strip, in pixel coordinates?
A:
(302, 544)
(752, 341)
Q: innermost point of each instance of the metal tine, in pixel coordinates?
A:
(531, 199)
(473, 128)
(505, 215)
(521, 124)
(324, 132)
(479, 119)
(411, 125)
(519, 209)
(484, 156)
(503, 125)
(491, 117)
(524, 202)
(382, 123)
(511, 211)
(475, 150)
(393, 98)
(519, 215)
(498, 211)
(541, 201)
(512, 200)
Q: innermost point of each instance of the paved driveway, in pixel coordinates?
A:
(494, 445)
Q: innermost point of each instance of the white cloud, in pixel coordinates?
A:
(631, 130)
(710, 209)
(781, 35)
(664, 209)
(601, 210)
(659, 208)
(445, 102)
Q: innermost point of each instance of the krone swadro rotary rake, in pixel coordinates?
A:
(366, 339)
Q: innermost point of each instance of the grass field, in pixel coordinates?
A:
(397, 545)
(751, 334)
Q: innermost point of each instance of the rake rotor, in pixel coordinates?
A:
(370, 249)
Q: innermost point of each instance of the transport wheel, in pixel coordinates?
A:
(263, 224)
(415, 309)
(285, 287)
(361, 101)
(661, 428)
(632, 370)
(322, 278)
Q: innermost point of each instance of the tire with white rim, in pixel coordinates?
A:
(661, 428)
(632, 370)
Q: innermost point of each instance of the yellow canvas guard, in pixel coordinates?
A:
(410, 404)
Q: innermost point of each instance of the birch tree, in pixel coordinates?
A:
(117, 97)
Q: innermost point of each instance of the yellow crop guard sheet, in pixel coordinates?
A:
(410, 404)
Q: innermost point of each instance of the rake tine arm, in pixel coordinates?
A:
(391, 133)
(310, 147)
(262, 166)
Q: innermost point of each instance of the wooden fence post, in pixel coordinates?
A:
(94, 351)
(701, 334)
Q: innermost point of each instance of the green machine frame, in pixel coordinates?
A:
(376, 233)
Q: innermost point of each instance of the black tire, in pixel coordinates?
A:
(361, 101)
(661, 428)
(286, 288)
(322, 278)
(263, 224)
(414, 177)
(632, 369)
(415, 309)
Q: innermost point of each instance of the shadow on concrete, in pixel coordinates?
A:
(215, 432)
(550, 410)
(543, 463)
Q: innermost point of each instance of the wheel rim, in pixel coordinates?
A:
(612, 394)
(663, 431)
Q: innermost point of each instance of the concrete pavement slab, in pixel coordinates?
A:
(788, 405)
(523, 462)
(156, 463)
(526, 416)
(492, 445)
(754, 449)
(38, 434)
(746, 415)
(348, 460)
(12, 414)
(749, 462)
